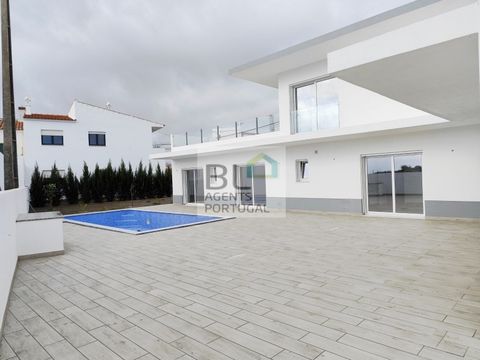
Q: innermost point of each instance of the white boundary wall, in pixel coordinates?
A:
(12, 203)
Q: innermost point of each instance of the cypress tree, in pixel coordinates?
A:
(38, 196)
(158, 181)
(130, 182)
(85, 191)
(139, 182)
(167, 177)
(109, 178)
(149, 187)
(96, 184)
(123, 187)
(71, 187)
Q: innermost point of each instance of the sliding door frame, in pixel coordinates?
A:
(185, 184)
(394, 212)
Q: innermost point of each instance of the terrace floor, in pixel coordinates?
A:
(307, 286)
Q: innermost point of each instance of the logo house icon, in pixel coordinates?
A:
(271, 165)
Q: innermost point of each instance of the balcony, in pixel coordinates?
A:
(259, 125)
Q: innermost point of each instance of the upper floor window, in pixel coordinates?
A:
(96, 139)
(52, 137)
(315, 106)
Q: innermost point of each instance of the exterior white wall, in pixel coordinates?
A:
(127, 138)
(357, 106)
(447, 26)
(12, 203)
(451, 170)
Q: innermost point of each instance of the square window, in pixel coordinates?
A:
(303, 170)
(52, 137)
(96, 139)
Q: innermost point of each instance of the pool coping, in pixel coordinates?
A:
(104, 227)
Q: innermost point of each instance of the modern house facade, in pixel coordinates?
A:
(88, 133)
(381, 117)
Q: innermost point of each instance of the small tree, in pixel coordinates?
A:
(149, 187)
(55, 192)
(109, 179)
(71, 187)
(139, 182)
(51, 190)
(158, 181)
(96, 184)
(85, 192)
(38, 197)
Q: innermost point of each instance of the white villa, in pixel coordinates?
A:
(381, 117)
(87, 133)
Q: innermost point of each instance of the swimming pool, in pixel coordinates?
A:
(134, 221)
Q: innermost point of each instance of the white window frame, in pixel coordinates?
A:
(298, 170)
(293, 101)
(394, 213)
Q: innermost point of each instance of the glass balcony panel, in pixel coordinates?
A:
(306, 120)
(179, 139)
(327, 113)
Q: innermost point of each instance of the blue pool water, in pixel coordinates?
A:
(138, 221)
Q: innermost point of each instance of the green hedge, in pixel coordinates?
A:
(102, 184)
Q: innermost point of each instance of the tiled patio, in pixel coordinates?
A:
(306, 287)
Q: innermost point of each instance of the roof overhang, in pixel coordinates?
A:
(266, 70)
(441, 79)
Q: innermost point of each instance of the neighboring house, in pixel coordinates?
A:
(380, 117)
(88, 133)
(19, 129)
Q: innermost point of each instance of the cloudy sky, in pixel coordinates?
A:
(165, 60)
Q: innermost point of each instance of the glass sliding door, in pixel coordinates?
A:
(193, 186)
(244, 182)
(408, 183)
(252, 187)
(394, 183)
(379, 183)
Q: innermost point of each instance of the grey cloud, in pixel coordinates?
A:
(166, 60)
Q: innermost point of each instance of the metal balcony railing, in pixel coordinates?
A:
(259, 125)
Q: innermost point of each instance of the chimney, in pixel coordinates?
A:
(28, 108)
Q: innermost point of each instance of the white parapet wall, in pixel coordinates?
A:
(12, 203)
(39, 234)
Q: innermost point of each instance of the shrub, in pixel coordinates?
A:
(55, 192)
(85, 192)
(51, 190)
(109, 179)
(71, 187)
(96, 184)
(38, 196)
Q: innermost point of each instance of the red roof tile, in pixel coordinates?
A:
(18, 125)
(48, 117)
